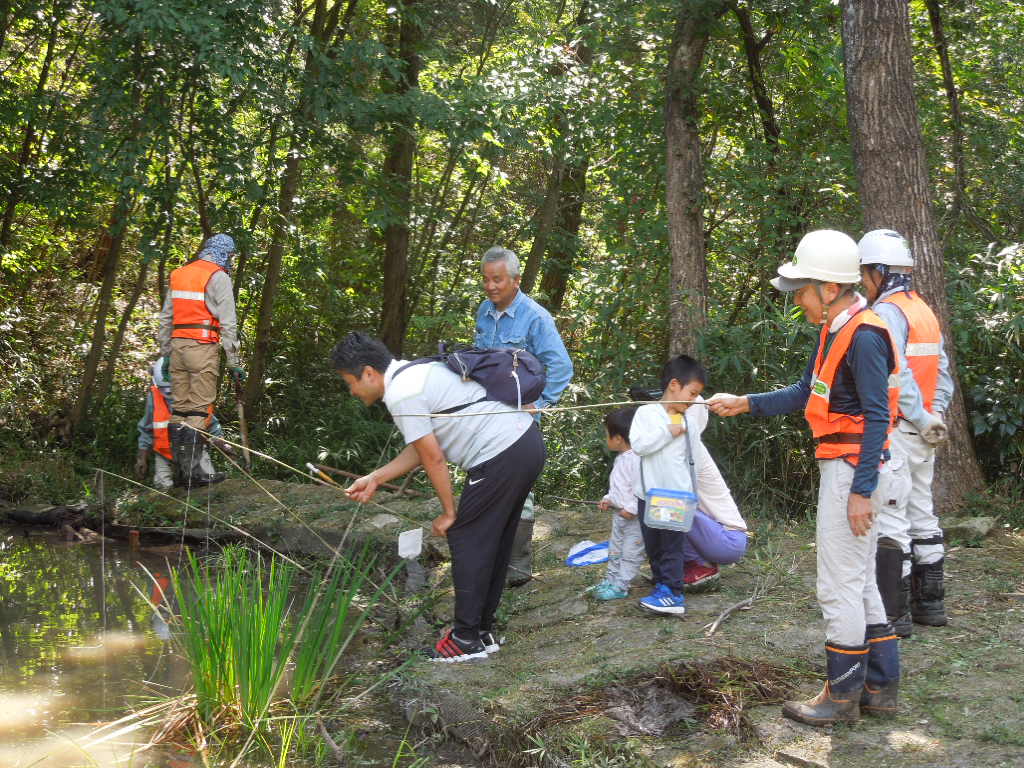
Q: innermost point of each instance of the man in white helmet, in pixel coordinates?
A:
(154, 438)
(848, 394)
(908, 528)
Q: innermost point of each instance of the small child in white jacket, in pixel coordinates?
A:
(626, 544)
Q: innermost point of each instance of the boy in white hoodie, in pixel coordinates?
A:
(667, 461)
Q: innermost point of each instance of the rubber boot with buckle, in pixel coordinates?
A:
(928, 592)
(839, 700)
(894, 589)
(882, 681)
(188, 455)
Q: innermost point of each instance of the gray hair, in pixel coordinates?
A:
(498, 253)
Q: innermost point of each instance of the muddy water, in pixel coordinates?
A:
(79, 647)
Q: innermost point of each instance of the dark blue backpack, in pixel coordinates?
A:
(511, 376)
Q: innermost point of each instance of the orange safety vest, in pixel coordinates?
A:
(192, 318)
(924, 340)
(839, 435)
(161, 418)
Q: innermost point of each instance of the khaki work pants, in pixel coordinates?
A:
(847, 590)
(195, 368)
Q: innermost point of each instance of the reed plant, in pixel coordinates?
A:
(243, 625)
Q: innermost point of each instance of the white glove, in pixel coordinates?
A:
(934, 431)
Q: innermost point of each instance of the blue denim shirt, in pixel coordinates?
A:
(525, 324)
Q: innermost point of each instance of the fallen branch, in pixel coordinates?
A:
(339, 754)
(742, 605)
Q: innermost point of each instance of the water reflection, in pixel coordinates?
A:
(80, 645)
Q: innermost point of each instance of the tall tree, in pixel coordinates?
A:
(398, 181)
(684, 183)
(892, 174)
(327, 28)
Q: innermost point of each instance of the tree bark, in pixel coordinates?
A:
(564, 245)
(118, 338)
(684, 183)
(398, 182)
(17, 190)
(322, 30)
(545, 218)
(275, 254)
(892, 174)
(118, 225)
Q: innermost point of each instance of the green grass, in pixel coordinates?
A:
(242, 626)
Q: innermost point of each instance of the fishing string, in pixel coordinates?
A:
(230, 525)
(542, 411)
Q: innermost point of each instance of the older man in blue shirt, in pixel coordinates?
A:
(510, 318)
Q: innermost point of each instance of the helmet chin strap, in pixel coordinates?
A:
(826, 306)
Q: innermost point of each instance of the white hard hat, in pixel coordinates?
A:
(158, 374)
(884, 246)
(825, 255)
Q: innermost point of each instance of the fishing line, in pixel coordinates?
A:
(542, 411)
(232, 526)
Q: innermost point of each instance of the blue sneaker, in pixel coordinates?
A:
(662, 600)
(608, 591)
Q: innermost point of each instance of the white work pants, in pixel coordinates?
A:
(625, 551)
(847, 591)
(914, 517)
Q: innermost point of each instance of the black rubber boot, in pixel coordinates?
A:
(928, 593)
(839, 700)
(882, 681)
(188, 449)
(520, 565)
(889, 575)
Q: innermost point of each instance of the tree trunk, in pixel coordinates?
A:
(17, 190)
(118, 225)
(545, 222)
(398, 180)
(684, 183)
(892, 173)
(565, 244)
(279, 236)
(322, 30)
(118, 339)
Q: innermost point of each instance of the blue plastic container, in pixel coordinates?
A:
(669, 509)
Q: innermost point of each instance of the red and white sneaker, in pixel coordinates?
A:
(492, 643)
(697, 575)
(451, 649)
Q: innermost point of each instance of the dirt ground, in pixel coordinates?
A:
(584, 683)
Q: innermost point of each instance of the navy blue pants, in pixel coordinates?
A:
(481, 538)
(664, 552)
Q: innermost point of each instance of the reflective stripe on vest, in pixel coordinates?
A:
(161, 418)
(924, 340)
(839, 435)
(192, 318)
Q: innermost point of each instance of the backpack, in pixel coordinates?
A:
(511, 376)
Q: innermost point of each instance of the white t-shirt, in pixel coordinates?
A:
(432, 388)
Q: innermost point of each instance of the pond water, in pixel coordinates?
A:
(80, 647)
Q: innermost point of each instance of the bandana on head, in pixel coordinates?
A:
(218, 249)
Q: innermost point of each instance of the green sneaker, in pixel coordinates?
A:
(608, 591)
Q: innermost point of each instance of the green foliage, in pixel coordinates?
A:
(185, 114)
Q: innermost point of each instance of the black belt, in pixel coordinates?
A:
(191, 413)
(842, 437)
(197, 326)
